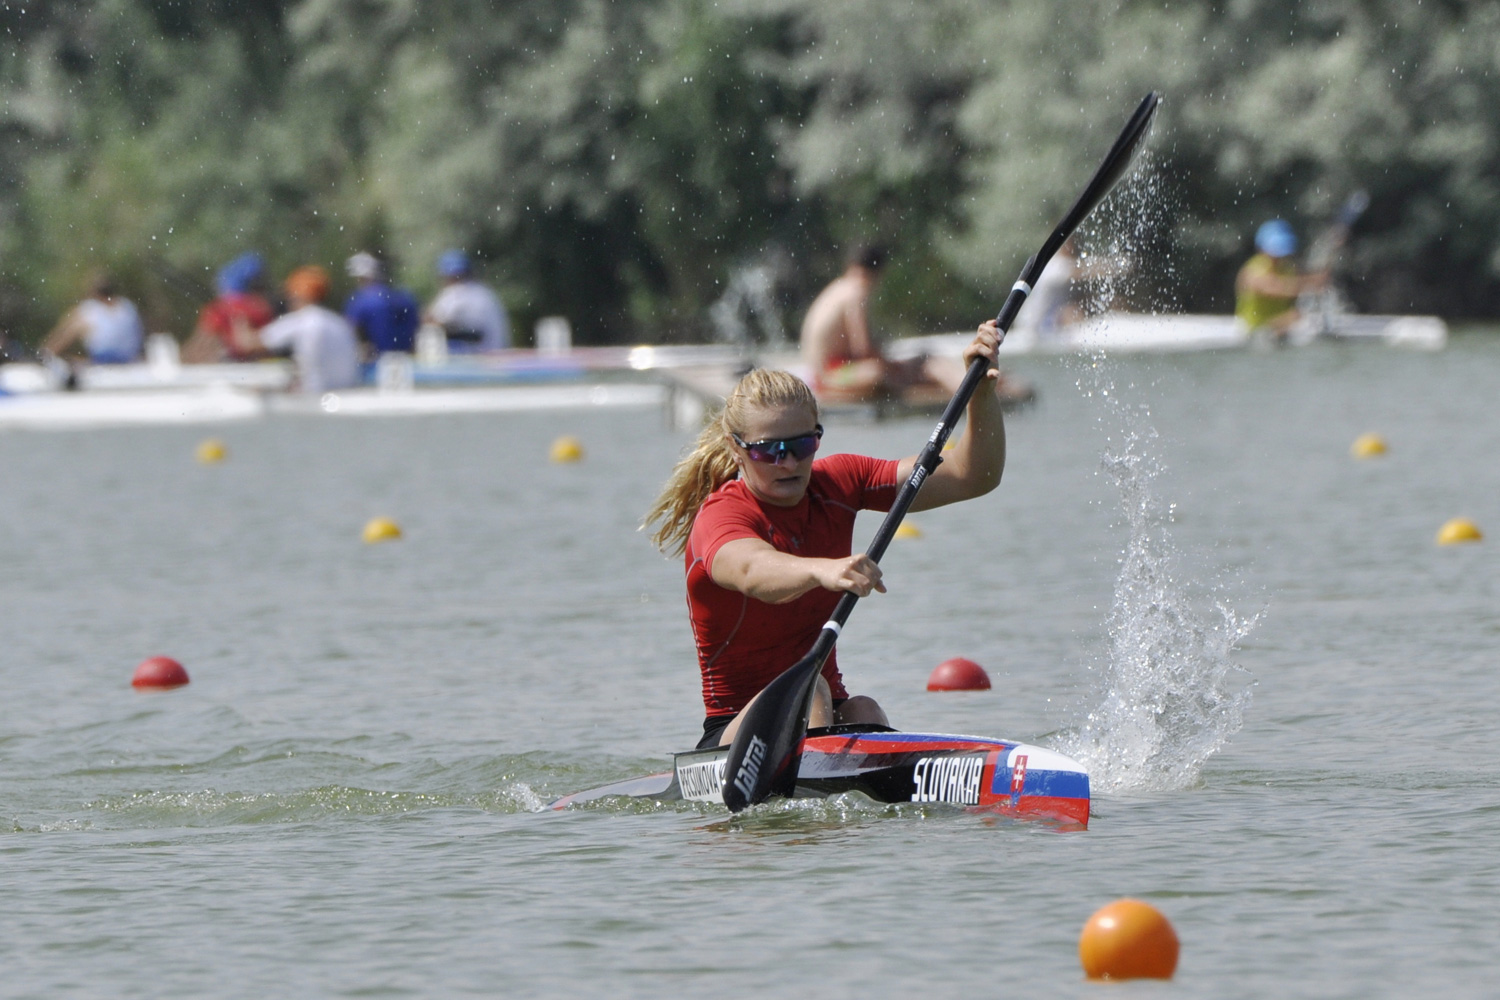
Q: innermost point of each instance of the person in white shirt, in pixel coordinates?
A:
(321, 341)
(468, 312)
(106, 322)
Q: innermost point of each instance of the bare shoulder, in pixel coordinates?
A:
(826, 311)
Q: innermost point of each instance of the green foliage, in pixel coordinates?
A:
(615, 161)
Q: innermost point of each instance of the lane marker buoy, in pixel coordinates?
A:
(381, 529)
(1368, 446)
(567, 449)
(1459, 530)
(211, 451)
(908, 530)
(1128, 939)
(958, 674)
(159, 673)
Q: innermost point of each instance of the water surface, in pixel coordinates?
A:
(345, 799)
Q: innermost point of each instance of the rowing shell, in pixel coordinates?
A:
(973, 772)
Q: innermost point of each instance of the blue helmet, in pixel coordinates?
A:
(1276, 239)
(453, 264)
(240, 274)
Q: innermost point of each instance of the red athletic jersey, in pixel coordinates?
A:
(219, 316)
(743, 644)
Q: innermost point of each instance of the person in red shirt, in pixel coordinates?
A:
(766, 534)
(226, 326)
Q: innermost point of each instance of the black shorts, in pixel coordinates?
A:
(713, 729)
(714, 726)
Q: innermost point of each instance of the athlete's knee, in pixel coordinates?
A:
(862, 709)
(821, 711)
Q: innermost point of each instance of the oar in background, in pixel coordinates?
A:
(1321, 306)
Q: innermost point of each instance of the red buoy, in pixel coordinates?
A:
(159, 672)
(958, 674)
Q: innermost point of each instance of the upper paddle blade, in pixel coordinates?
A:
(763, 758)
(1105, 178)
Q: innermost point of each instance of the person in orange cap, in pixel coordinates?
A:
(321, 341)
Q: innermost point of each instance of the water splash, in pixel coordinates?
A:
(1172, 695)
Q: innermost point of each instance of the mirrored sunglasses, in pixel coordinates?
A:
(773, 450)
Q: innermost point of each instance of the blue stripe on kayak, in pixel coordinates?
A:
(1057, 784)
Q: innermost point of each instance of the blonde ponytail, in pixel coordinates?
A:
(711, 463)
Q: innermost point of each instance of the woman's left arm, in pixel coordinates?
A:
(974, 465)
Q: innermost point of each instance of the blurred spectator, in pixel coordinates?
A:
(226, 326)
(384, 317)
(1054, 302)
(321, 341)
(467, 310)
(106, 322)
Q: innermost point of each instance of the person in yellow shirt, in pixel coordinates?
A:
(1267, 287)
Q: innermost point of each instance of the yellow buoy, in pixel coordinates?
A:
(908, 530)
(212, 451)
(1460, 529)
(1128, 939)
(567, 449)
(1367, 446)
(381, 529)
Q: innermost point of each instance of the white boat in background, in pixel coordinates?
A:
(162, 370)
(161, 390)
(1141, 333)
(1422, 333)
(377, 402)
(106, 408)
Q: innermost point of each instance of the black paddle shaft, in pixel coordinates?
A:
(763, 758)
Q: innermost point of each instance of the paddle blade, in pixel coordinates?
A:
(763, 758)
(1116, 162)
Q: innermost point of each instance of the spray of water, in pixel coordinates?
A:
(1171, 694)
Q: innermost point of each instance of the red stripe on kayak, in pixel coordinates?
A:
(866, 745)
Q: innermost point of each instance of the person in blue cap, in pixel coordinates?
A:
(469, 312)
(227, 326)
(1267, 287)
(385, 317)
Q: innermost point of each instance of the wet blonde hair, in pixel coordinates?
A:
(711, 463)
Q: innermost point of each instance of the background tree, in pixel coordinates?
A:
(616, 161)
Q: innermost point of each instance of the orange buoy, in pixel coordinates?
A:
(958, 674)
(1128, 939)
(159, 672)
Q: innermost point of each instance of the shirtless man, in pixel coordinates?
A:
(840, 355)
(845, 365)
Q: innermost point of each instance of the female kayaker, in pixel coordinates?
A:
(766, 533)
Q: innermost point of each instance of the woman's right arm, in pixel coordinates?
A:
(754, 567)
